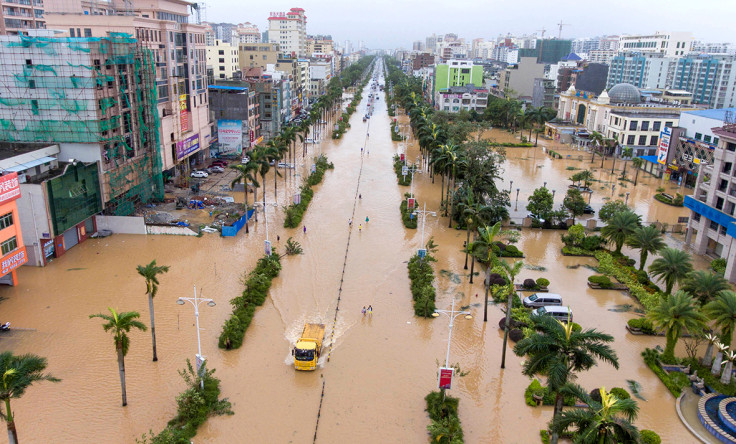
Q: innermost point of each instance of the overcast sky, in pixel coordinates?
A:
(389, 24)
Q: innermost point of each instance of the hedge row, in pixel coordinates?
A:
(678, 201)
(627, 276)
(344, 124)
(395, 136)
(643, 324)
(512, 145)
(673, 383)
(445, 426)
(244, 306)
(398, 165)
(422, 284)
(406, 214)
(295, 212)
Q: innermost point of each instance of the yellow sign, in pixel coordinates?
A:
(696, 160)
(183, 102)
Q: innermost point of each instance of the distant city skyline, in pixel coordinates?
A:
(413, 20)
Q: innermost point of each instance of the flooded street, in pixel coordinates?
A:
(380, 367)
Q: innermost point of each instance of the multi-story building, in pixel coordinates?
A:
(96, 98)
(457, 98)
(289, 30)
(422, 60)
(669, 44)
(699, 47)
(506, 54)
(519, 79)
(602, 55)
(320, 45)
(711, 227)
(179, 55)
(248, 33)
(258, 55)
(552, 50)
(645, 70)
(543, 93)
(224, 59)
(20, 16)
(12, 250)
(584, 76)
(457, 73)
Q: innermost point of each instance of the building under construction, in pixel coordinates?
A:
(96, 98)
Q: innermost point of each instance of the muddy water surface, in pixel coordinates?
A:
(380, 367)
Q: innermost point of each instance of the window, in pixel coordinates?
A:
(9, 245)
(6, 220)
(633, 125)
(654, 141)
(722, 230)
(87, 32)
(706, 139)
(698, 136)
(631, 140)
(645, 125)
(656, 125)
(730, 146)
(713, 225)
(668, 124)
(715, 141)
(727, 167)
(71, 32)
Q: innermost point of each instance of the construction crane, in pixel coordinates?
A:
(542, 31)
(561, 24)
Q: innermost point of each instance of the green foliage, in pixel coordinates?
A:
(257, 283)
(644, 324)
(194, 406)
(673, 385)
(628, 276)
(574, 202)
(575, 251)
(542, 282)
(540, 203)
(718, 265)
(398, 165)
(421, 276)
(602, 281)
(409, 221)
(544, 435)
(548, 397)
(293, 247)
(610, 208)
(295, 212)
(395, 135)
(677, 201)
(445, 425)
(649, 437)
(711, 380)
(620, 393)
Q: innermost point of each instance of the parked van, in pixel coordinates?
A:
(560, 313)
(542, 300)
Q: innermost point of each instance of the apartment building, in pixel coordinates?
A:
(248, 33)
(458, 98)
(12, 250)
(669, 44)
(20, 16)
(712, 224)
(457, 73)
(520, 78)
(179, 54)
(289, 30)
(224, 59)
(320, 45)
(258, 55)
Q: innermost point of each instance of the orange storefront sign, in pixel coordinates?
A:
(13, 260)
(9, 188)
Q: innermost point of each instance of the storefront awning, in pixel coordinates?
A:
(652, 159)
(24, 166)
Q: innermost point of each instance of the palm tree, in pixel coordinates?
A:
(482, 249)
(673, 314)
(704, 285)
(19, 373)
(626, 153)
(637, 162)
(648, 240)
(471, 211)
(274, 148)
(672, 266)
(120, 324)
(150, 273)
(246, 173)
(558, 352)
(722, 311)
(620, 227)
(608, 421)
(599, 140)
(511, 271)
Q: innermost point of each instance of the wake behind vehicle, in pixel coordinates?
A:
(309, 347)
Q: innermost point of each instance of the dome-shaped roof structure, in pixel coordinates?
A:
(624, 93)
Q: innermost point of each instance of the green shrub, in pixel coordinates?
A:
(647, 326)
(628, 276)
(602, 281)
(534, 387)
(542, 282)
(635, 323)
(576, 251)
(445, 425)
(406, 215)
(591, 243)
(620, 393)
(674, 385)
(398, 165)
(295, 212)
(718, 265)
(544, 435)
(502, 250)
(649, 437)
(576, 327)
(421, 277)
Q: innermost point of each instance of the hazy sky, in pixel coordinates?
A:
(389, 24)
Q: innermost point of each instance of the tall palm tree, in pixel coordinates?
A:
(120, 324)
(674, 314)
(511, 271)
(482, 249)
(19, 373)
(672, 266)
(648, 240)
(637, 162)
(608, 421)
(558, 352)
(620, 227)
(150, 273)
(597, 140)
(704, 285)
(274, 148)
(722, 311)
(246, 173)
(626, 153)
(471, 210)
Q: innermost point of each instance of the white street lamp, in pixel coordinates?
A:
(452, 314)
(195, 301)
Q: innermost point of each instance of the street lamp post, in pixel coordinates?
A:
(545, 185)
(195, 301)
(517, 200)
(452, 314)
(267, 243)
(627, 198)
(511, 185)
(424, 213)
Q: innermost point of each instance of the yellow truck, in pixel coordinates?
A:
(309, 347)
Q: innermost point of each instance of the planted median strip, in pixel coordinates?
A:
(295, 212)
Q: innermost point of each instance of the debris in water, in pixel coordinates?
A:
(573, 267)
(75, 269)
(535, 267)
(622, 308)
(635, 388)
(591, 267)
(453, 277)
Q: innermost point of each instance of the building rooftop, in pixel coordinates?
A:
(12, 149)
(715, 114)
(655, 115)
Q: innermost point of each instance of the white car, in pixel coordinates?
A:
(216, 169)
(245, 160)
(199, 174)
(310, 140)
(285, 165)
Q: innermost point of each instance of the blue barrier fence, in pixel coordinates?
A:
(237, 226)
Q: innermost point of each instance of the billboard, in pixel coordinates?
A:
(9, 188)
(664, 145)
(445, 378)
(230, 135)
(13, 260)
(183, 113)
(187, 146)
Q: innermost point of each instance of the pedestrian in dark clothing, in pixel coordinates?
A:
(305, 229)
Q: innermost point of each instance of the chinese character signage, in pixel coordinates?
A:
(230, 135)
(664, 145)
(183, 113)
(445, 379)
(13, 260)
(187, 146)
(9, 188)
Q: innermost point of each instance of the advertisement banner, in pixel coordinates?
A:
(9, 187)
(13, 260)
(187, 146)
(664, 145)
(183, 113)
(445, 379)
(230, 135)
(410, 203)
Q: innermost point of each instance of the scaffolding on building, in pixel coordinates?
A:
(88, 91)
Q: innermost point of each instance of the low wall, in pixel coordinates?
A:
(121, 224)
(170, 229)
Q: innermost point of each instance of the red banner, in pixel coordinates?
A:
(445, 380)
(410, 203)
(9, 188)
(13, 260)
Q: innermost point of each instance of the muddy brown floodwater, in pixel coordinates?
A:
(380, 367)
